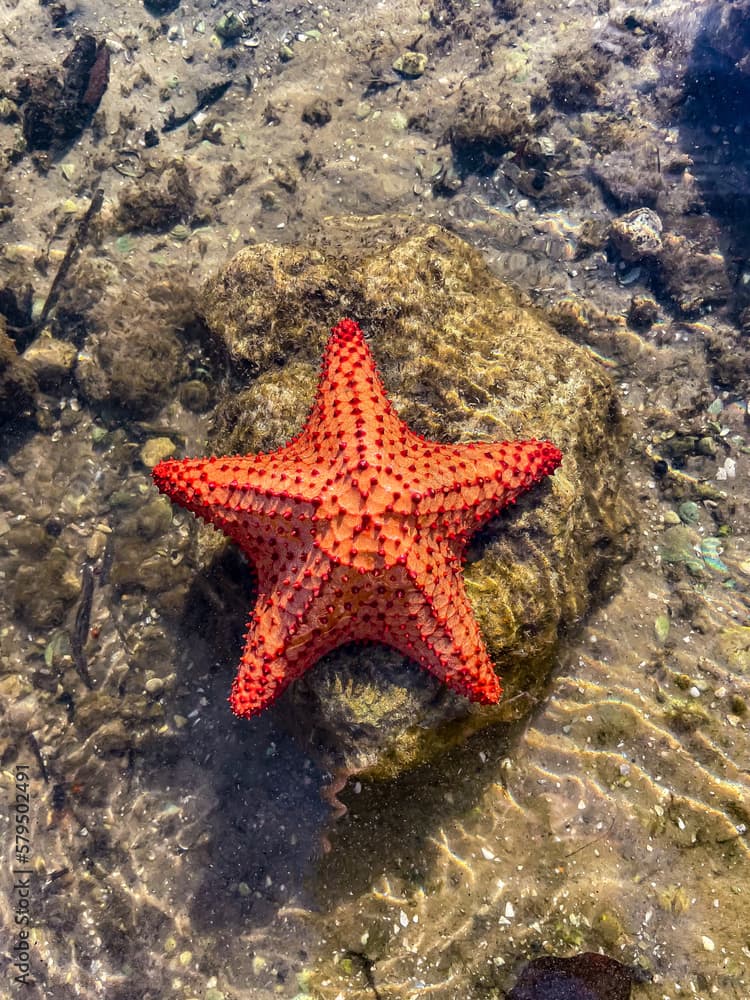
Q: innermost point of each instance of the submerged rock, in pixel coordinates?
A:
(463, 360)
(51, 360)
(692, 279)
(581, 977)
(410, 64)
(637, 235)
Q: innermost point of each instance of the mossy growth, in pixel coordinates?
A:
(685, 716)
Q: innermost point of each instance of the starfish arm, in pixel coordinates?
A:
(266, 666)
(251, 502)
(315, 607)
(488, 477)
(446, 639)
(349, 376)
(352, 412)
(282, 639)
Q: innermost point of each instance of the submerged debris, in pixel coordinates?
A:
(581, 977)
(156, 204)
(80, 632)
(56, 110)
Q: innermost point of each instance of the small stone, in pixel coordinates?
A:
(738, 705)
(727, 471)
(643, 312)
(689, 512)
(51, 360)
(411, 64)
(112, 736)
(637, 235)
(154, 519)
(155, 450)
(609, 927)
(154, 685)
(317, 112)
(661, 627)
(230, 26)
(707, 446)
(707, 943)
(679, 544)
(195, 396)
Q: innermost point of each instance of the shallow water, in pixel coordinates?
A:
(179, 852)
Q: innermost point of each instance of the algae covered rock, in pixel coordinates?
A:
(463, 359)
(17, 383)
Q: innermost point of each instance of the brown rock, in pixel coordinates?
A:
(463, 360)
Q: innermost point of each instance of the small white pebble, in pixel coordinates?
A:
(487, 854)
(694, 692)
(707, 943)
(403, 919)
(509, 911)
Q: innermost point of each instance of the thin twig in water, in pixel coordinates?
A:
(36, 750)
(81, 627)
(74, 245)
(590, 843)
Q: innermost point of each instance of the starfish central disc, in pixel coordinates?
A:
(357, 529)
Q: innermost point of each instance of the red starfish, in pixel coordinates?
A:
(357, 530)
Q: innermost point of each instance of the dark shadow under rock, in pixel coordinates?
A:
(713, 130)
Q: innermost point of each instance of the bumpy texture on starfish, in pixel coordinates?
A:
(357, 530)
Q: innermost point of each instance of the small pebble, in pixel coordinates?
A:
(156, 449)
(707, 943)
